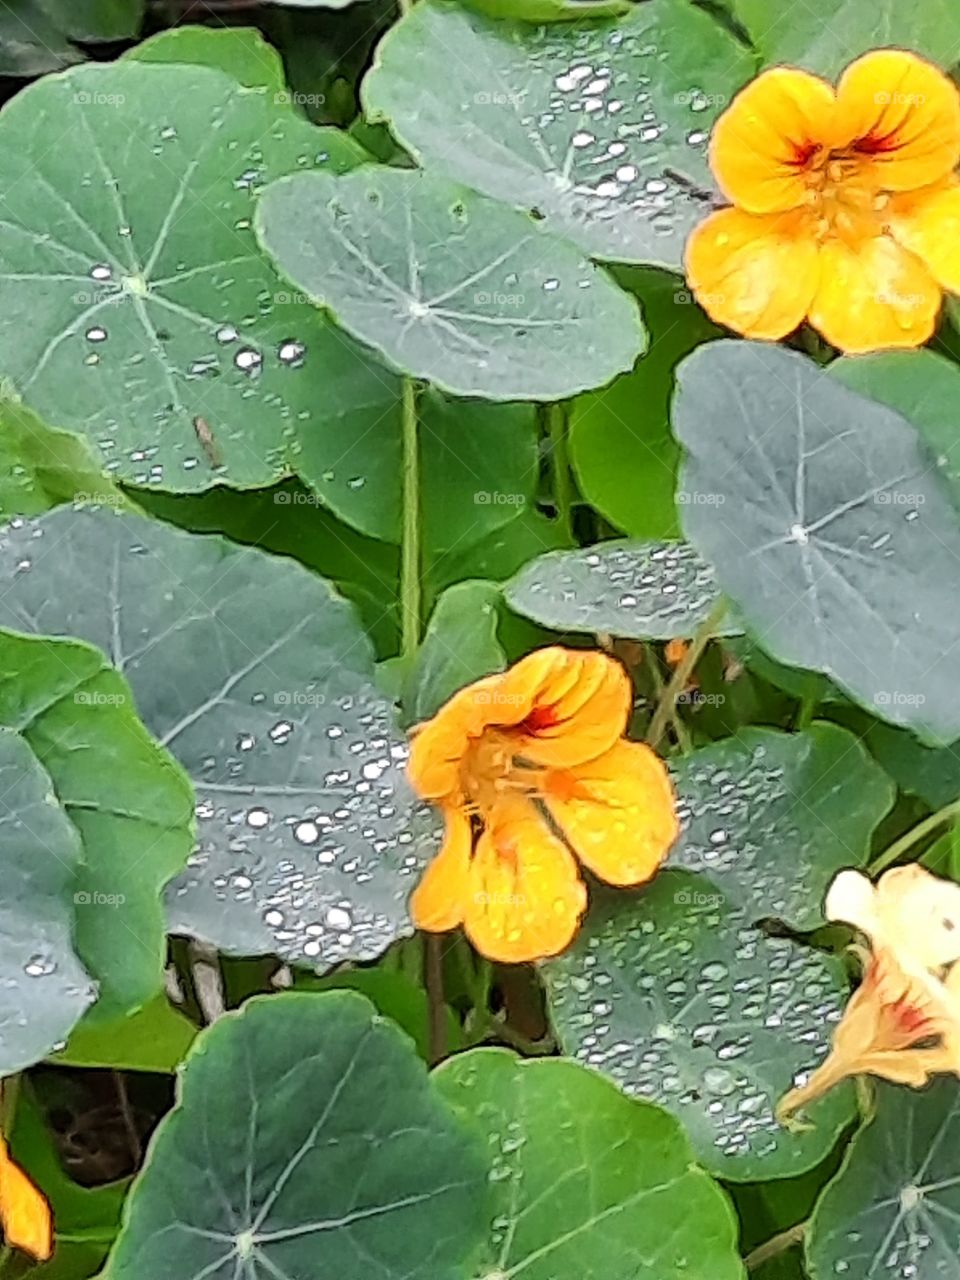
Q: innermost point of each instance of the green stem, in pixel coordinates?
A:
(805, 713)
(679, 728)
(666, 704)
(433, 981)
(563, 491)
(775, 1246)
(410, 589)
(913, 836)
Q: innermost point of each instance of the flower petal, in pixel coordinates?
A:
(756, 275)
(526, 896)
(618, 812)
(565, 705)
(877, 295)
(927, 222)
(910, 912)
(761, 143)
(24, 1212)
(437, 902)
(902, 116)
(440, 744)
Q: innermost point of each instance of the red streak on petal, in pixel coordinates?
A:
(877, 144)
(803, 153)
(539, 719)
(909, 1018)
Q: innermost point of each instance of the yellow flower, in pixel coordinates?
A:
(845, 208)
(527, 766)
(24, 1212)
(903, 1021)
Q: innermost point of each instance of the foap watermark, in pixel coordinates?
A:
(299, 698)
(293, 98)
(491, 698)
(117, 500)
(897, 698)
(695, 898)
(499, 98)
(885, 98)
(699, 498)
(97, 698)
(98, 899)
(494, 498)
(696, 698)
(499, 899)
(296, 498)
(84, 98)
(497, 299)
(899, 498)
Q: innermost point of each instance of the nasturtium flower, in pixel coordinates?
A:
(24, 1213)
(903, 1021)
(532, 773)
(845, 209)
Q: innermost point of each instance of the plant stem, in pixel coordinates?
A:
(667, 702)
(775, 1246)
(679, 728)
(410, 591)
(433, 981)
(915, 834)
(563, 492)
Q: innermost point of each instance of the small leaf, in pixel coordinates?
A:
(631, 590)
(44, 988)
(460, 645)
(241, 52)
(259, 679)
(601, 129)
(450, 287)
(307, 1141)
(587, 1184)
(893, 1210)
(154, 1038)
(826, 526)
(677, 997)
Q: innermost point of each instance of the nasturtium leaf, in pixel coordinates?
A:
(154, 1038)
(827, 527)
(43, 986)
(501, 553)
(893, 1210)
(632, 590)
(932, 773)
(550, 10)
(138, 310)
(448, 286)
(259, 679)
(679, 998)
(241, 52)
(587, 1184)
(30, 43)
(622, 450)
(129, 801)
(478, 462)
(93, 20)
(40, 467)
(922, 386)
(825, 35)
(398, 996)
(771, 817)
(307, 1141)
(601, 129)
(459, 646)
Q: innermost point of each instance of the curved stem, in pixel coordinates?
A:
(410, 551)
(667, 701)
(915, 834)
(563, 491)
(775, 1246)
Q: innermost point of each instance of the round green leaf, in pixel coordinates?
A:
(827, 528)
(893, 1211)
(130, 803)
(154, 1038)
(259, 679)
(448, 286)
(679, 998)
(138, 309)
(307, 1141)
(587, 1184)
(933, 773)
(826, 35)
(922, 386)
(43, 986)
(772, 817)
(241, 52)
(622, 450)
(632, 590)
(600, 129)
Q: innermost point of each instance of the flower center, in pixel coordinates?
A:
(841, 190)
(491, 767)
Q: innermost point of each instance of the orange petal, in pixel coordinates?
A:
(877, 295)
(437, 902)
(762, 141)
(902, 115)
(526, 896)
(927, 222)
(618, 812)
(440, 744)
(24, 1212)
(568, 705)
(756, 275)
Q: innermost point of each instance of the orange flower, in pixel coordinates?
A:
(527, 766)
(24, 1212)
(846, 210)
